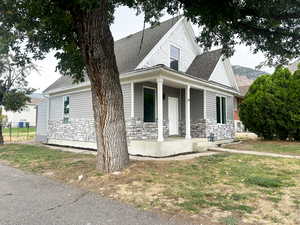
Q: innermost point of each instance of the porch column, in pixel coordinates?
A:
(132, 100)
(204, 104)
(187, 113)
(160, 133)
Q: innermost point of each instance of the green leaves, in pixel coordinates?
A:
(34, 27)
(271, 108)
(15, 100)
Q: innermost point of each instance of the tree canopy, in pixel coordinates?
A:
(272, 105)
(36, 27)
(14, 88)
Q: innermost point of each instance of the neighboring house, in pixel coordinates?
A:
(170, 88)
(27, 115)
(245, 76)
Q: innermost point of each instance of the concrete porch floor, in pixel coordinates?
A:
(169, 147)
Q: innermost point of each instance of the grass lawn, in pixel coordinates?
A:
(280, 147)
(19, 134)
(222, 189)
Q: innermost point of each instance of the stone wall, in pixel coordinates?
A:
(203, 128)
(75, 130)
(84, 130)
(220, 131)
(198, 128)
(139, 130)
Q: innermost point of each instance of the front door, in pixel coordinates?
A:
(173, 115)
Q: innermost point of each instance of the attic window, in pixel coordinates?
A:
(174, 57)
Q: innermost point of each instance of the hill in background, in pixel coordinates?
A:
(245, 75)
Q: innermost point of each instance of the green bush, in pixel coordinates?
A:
(271, 108)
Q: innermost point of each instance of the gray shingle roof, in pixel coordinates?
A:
(204, 64)
(129, 52)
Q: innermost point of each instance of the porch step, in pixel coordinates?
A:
(169, 147)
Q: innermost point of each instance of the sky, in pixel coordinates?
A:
(126, 22)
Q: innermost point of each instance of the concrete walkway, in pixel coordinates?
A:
(253, 153)
(27, 199)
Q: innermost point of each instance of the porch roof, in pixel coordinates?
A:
(151, 73)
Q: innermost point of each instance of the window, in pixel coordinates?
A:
(221, 110)
(149, 105)
(66, 109)
(174, 57)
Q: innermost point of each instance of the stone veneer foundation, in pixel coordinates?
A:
(83, 130)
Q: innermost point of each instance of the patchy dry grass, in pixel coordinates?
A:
(280, 147)
(228, 189)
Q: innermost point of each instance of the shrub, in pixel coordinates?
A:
(271, 108)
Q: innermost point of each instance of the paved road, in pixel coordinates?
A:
(27, 199)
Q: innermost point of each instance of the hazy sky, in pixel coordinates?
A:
(126, 22)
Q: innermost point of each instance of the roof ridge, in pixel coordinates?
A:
(151, 27)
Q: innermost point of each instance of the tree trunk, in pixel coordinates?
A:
(97, 48)
(1, 134)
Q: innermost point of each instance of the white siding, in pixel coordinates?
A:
(180, 39)
(211, 105)
(211, 111)
(230, 108)
(42, 121)
(220, 75)
(81, 105)
(56, 108)
(126, 89)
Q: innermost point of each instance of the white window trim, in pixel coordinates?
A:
(221, 112)
(155, 107)
(179, 60)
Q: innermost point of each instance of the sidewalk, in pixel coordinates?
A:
(252, 153)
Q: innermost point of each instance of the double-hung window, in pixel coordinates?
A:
(174, 57)
(66, 117)
(221, 110)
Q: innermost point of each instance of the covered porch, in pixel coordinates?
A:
(162, 108)
(168, 113)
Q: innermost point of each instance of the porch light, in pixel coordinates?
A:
(211, 137)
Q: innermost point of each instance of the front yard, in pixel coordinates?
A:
(222, 189)
(279, 147)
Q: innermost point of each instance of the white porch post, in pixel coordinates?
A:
(132, 100)
(160, 109)
(187, 113)
(204, 104)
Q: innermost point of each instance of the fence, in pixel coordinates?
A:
(18, 132)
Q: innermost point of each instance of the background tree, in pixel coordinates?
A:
(272, 105)
(80, 31)
(13, 87)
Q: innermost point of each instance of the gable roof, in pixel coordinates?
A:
(203, 65)
(129, 51)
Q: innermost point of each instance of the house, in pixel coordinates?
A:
(25, 116)
(175, 95)
(245, 76)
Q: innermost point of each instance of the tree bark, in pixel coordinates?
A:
(97, 48)
(1, 126)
